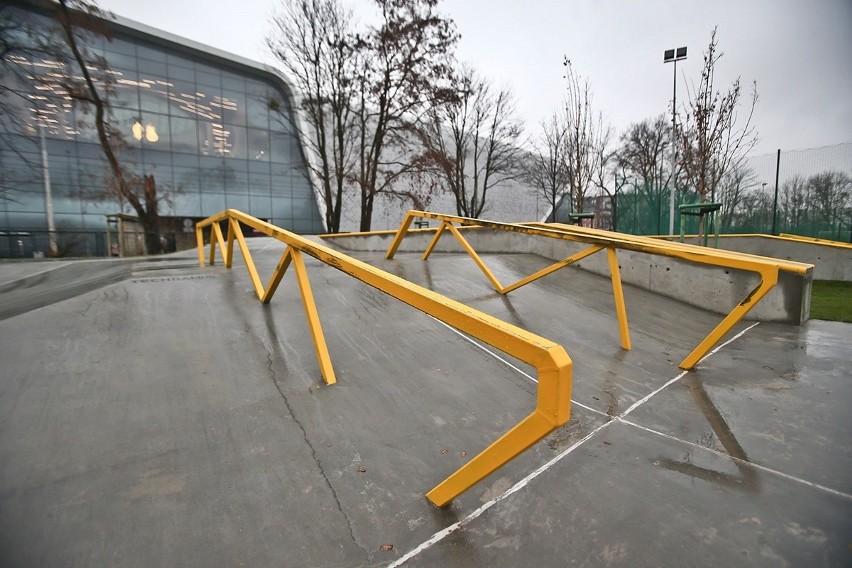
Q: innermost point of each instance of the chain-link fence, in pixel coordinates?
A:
(803, 192)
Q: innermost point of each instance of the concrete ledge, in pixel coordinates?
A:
(716, 289)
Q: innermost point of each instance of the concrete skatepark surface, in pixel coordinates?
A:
(164, 417)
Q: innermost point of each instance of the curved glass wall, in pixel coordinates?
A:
(204, 130)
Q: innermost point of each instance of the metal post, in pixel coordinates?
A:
(674, 56)
(674, 152)
(48, 198)
(615, 206)
(775, 202)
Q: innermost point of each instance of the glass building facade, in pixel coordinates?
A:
(198, 120)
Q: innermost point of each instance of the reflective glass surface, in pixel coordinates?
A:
(203, 127)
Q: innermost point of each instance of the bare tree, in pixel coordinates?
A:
(586, 139)
(56, 62)
(59, 64)
(407, 62)
(88, 83)
(642, 156)
(754, 212)
(472, 141)
(794, 201)
(733, 188)
(546, 169)
(715, 139)
(829, 196)
(314, 42)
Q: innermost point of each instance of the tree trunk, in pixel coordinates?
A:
(366, 212)
(151, 219)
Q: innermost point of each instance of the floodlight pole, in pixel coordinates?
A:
(673, 56)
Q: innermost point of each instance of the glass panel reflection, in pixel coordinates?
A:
(206, 134)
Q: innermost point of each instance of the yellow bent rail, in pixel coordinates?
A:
(553, 400)
(766, 268)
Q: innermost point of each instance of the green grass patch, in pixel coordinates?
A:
(832, 300)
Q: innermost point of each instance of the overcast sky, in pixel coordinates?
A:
(798, 51)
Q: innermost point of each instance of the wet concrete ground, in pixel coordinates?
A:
(171, 419)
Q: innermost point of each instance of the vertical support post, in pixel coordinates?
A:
(618, 294)
(311, 314)
(199, 241)
(775, 201)
(229, 256)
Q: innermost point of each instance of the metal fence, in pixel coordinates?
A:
(802, 192)
(65, 243)
(37, 243)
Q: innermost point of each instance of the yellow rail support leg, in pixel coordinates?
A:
(552, 268)
(526, 433)
(434, 241)
(255, 279)
(552, 410)
(320, 346)
(283, 263)
(479, 262)
(199, 241)
(216, 231)
(768, 280)
(618, 294)
(233, 227)
(400, 234)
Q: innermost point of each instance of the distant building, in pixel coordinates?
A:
(194, 117)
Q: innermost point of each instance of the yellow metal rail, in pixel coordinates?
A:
(767, 268)
(553, 399)
(814, 240)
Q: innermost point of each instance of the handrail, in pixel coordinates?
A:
(767, 268)
(553, 399)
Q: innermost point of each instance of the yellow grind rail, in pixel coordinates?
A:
(553, 399)
(814, 240)
(767, 268)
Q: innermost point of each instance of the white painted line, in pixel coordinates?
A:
(643, 400)
(508, 364)
(742, 461)
(482, 347)
(731, 340)
(443, 533)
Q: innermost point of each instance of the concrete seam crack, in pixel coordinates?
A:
(313, 452)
